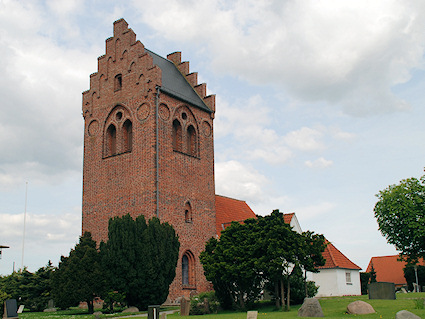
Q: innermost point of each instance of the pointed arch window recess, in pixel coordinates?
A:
(188, 270)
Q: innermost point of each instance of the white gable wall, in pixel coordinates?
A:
(333, 282)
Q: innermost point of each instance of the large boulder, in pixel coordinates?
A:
(404, 314)
(359, 308)
(131, 309)
(310, 308)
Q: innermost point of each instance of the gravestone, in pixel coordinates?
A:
(251, 315)
(153, 312)
(359, 308)
(21, 309)
(404, 314)
(184, 307)
(310, 308)
(10, 309)
(382, 290)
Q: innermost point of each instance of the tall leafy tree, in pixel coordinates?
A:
(259, 250)
(140, 259)
(79, 277)
(231, 265)
(30, 289)
(400, 213)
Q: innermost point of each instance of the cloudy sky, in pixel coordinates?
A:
(320, 104)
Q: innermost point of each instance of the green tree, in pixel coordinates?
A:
(364, 282)
(79, 277)
(30, 289)
(400, 213)
(140, 259)
(372, 274)
(409, 274)
(284, 251)
(260, 250)
(231, 264)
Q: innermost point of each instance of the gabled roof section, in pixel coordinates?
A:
(228, 210)
(336, 259)
(389, 269)
(175, 84)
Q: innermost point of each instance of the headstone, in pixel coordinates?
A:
(403, 290)
(131, 309)
(251, 315)
(184, 307)
(404, 314)
(153, 312)
(10, 309)
(310, 308)
(359, 308)
(21, 309)
(382, 290)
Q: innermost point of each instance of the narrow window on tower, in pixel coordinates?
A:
(188, 271)
(177, 136)
(127, 136)
(111, 140)
(191, 141)
(118, 82)
(185, 270)
(187, 213)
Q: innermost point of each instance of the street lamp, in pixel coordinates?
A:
(1, 248)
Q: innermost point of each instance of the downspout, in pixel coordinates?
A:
(157, 151)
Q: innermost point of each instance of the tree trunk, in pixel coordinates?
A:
(282, 291)
(288, 297)
(276, 293)
(90, 306)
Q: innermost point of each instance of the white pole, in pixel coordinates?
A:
(25, 218)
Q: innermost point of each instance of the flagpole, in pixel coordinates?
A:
(25, 218)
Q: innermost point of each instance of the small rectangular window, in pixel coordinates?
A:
(348, 278)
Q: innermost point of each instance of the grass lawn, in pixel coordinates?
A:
(333, 307)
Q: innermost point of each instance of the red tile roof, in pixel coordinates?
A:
(336, 259)
(288, 217)
(230, 209)
(389, 269)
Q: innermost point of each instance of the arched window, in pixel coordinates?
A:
(127, 136)
(187, 213)
(118, 82)
(191, 141)
(188, 270)
(177, 136)
(185, 270)
(111, 140)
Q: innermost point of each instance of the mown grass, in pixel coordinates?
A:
(333, 308)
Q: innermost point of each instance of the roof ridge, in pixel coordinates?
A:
(239, 200)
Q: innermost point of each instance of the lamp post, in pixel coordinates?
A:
(1, 249)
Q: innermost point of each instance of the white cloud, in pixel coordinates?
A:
(305, 139)
(348, 53)
(233, 179)
(319, 163)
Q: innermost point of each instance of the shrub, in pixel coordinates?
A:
(204, 303)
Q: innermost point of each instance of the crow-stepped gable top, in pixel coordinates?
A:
(169, 75)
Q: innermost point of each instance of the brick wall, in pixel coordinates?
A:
(118, 180)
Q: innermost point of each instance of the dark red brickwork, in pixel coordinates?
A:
(129, 152)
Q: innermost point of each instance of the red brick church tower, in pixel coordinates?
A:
(148, 149)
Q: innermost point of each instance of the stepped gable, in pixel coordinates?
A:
(336, 259)
(146, 71)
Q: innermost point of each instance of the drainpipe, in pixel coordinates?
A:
(158, 89)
